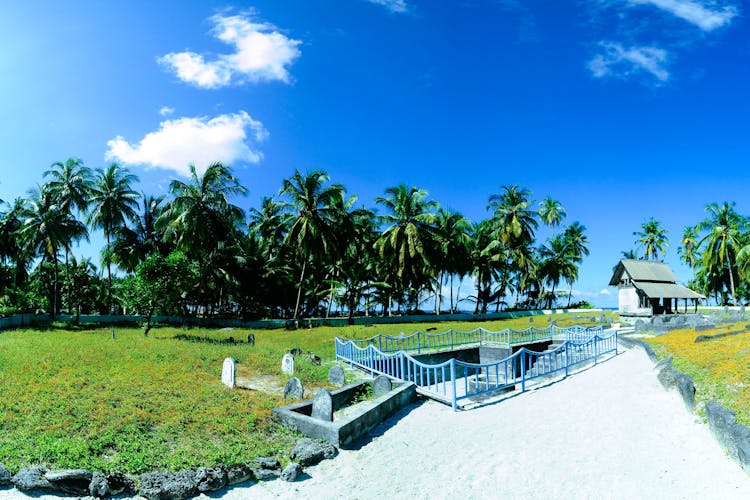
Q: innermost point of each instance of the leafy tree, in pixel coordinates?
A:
(159, 285)
(576, 241)
(133, 243)
(653, 238)
(453, 242)
(688, 248)
(557, 263)
(722, 243)
(551, 212)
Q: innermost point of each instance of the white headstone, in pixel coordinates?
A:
(287, 364)
(227, 372)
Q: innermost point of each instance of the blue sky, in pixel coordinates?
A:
(621, 109)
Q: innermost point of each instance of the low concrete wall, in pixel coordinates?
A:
(345, 431)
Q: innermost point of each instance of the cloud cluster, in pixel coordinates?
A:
(398, 6)
(201, 141)
(629, 58)
(261, 53)
(622, 62)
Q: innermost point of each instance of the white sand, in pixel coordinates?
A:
(607, 432)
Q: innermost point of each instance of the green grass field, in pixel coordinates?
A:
(76, 398)
(720, 368)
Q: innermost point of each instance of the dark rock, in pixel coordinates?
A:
(168, 486)
(381, 385)
(322, 406)
(296, 351)
(210, 478)
(702, 328)
(5, 476)
(432, 329)
(733, 437)
(294, 389)
(336, 376)
(239, 473)
(99, 486)
(73, 481)
(262, 474)
(671, 378)
(310, 452)
(291, 472)
(314, 359)
(32, 478)
(231, 340)
(531, 319)
(120, 483)
(251, 339)
(267, 463)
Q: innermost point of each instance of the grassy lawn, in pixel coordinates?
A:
(80, 399)
(720, 368)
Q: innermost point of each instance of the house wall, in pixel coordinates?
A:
(628, 299)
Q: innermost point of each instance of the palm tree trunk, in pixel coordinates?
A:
(437, 293)
(731, 280)
(54, 294)
(67, 277)
(299, 290)
(451, 293)
(479, 291)
(330, 302)
(570, 292)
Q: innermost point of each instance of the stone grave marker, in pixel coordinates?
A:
(322, 406)
(228, 371)
(381, 385)
(287, 364)
(549, 319)
(336, 376)
(294, 389)
(251, 338)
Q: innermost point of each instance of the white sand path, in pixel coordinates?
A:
(610, 431)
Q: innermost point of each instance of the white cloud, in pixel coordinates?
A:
(399, 6)
(201, 141)
(604, 291)
(166, 111)
(622, 62)
(261, 53)
(705, 15)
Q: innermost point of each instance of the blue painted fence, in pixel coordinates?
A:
(453, 380)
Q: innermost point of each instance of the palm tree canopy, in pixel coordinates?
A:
(515, 222)
(653, 239)
(70, 183)
(112, 198)
(551, 212)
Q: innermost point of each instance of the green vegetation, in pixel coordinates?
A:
(75, 397)
(311, 250)
(720, 367)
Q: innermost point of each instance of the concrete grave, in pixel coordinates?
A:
(228, 372)
(294, 389)
(287, 364)
(381, 385)
(336, 376)
(322, 406)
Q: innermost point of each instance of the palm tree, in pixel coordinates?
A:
(112, 202)
(11, 247)
(722, 243)
(688, 248)
(558, 262)
(409, 240)
(132, 245)
(313, 209)
(576, 240)
(486, 254)
(653, 238)
(514, 221)
(551, 212)
(453, 240)
(48, 227)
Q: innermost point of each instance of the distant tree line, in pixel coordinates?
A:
(716, 248)
(311, 249)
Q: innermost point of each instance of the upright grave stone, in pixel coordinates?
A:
(336, 376)
(322, 406)
(531, 319)
(287, 364)
(228, 371)
(294, 389)
(381, 385)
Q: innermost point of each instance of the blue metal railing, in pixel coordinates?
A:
(454, 380)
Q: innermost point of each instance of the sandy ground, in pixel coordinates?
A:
(610, 431)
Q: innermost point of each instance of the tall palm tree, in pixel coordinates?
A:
(12, 248)
(132, 245)
(688, 248)
(653, 238)
(558, 262)
(486, 254)
(722, 243)
(453, 240)
(313, 206)
(576, 241)
(112, 201)
(409, 240)
(514, 220)
(48, 227)
(551, 212)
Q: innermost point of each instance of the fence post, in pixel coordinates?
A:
(403, 373)
(615, 335)
(419, 343)
(566, 357)
(596, 350)
(453, 381)
(380, 343)
(451, 330)
(523, 370)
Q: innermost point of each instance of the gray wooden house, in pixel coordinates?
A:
(646, 288)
